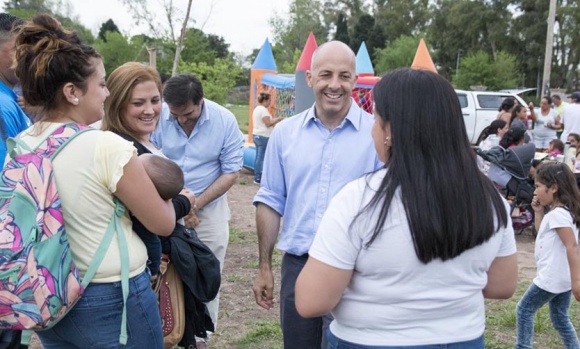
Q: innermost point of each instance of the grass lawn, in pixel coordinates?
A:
(500, 332)
(241, 113)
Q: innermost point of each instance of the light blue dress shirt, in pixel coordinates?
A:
(306, 165)
(213, 148)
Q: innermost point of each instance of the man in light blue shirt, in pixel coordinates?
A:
(13, 118)
(204, 139)
(309, 158)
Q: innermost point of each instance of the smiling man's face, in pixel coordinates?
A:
(332, 78)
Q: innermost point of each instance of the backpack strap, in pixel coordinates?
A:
(51, 145)
(114, 226)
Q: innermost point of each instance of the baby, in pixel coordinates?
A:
(168, 180)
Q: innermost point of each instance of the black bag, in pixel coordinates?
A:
(198, 267)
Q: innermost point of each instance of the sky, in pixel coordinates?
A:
(242, 23)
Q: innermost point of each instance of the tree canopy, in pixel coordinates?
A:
(452, 29)
(457, 32)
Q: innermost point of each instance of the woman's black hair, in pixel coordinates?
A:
(550, 173)
(548, 99)
(515, 112)
(451, 206)
(512, 137)
(507, 104)
(491, 129)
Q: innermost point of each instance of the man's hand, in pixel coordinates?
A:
(264, 289)
(191, 220)
(189, 195)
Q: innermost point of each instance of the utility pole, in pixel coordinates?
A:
(549, 47)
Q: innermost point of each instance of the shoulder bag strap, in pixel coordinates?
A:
(114, 225)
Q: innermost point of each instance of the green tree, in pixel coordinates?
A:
(291, 31)
(117, 50)
(566, 57)
(342, 29)
(27, 9)
(217, 78)
(479, 68)
(464, 26)
(197, 47)
(369, 31)
(108, 26)
(397, 54)
(290, 67)
(401, 17)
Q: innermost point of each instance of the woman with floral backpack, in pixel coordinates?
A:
(66, 79)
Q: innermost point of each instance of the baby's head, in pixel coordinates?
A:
(165, 175)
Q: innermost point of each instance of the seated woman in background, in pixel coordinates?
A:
(506, 108)
(489, 138)
(512, 158)
(492, 134)
(574, 140)
(406, 255)
(519, 119)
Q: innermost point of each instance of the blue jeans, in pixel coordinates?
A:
(337, 343)
(95, 321)
(534, 299)
(298, 332)
(261, 143)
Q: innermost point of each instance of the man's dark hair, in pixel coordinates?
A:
(8, 23)
(182, 89)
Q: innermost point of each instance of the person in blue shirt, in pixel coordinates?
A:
(13, 118)
(309, 158)
(204, 139)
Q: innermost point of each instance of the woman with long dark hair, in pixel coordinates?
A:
(405, 255)
(489, 138)
(492, 134)
(506, 108)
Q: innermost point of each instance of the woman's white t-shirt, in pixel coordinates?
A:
(553, 270)
(540, 128)
(393, 298)
(488, 143)
(260, 128)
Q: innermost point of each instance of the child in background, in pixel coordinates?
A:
(574, 140)
(556, 252)
(167, 177)
(555, 148)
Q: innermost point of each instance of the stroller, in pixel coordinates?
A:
(514, 164)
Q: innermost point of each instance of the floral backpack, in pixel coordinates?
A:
(39, 281)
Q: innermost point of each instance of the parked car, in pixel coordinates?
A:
(480, 108)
